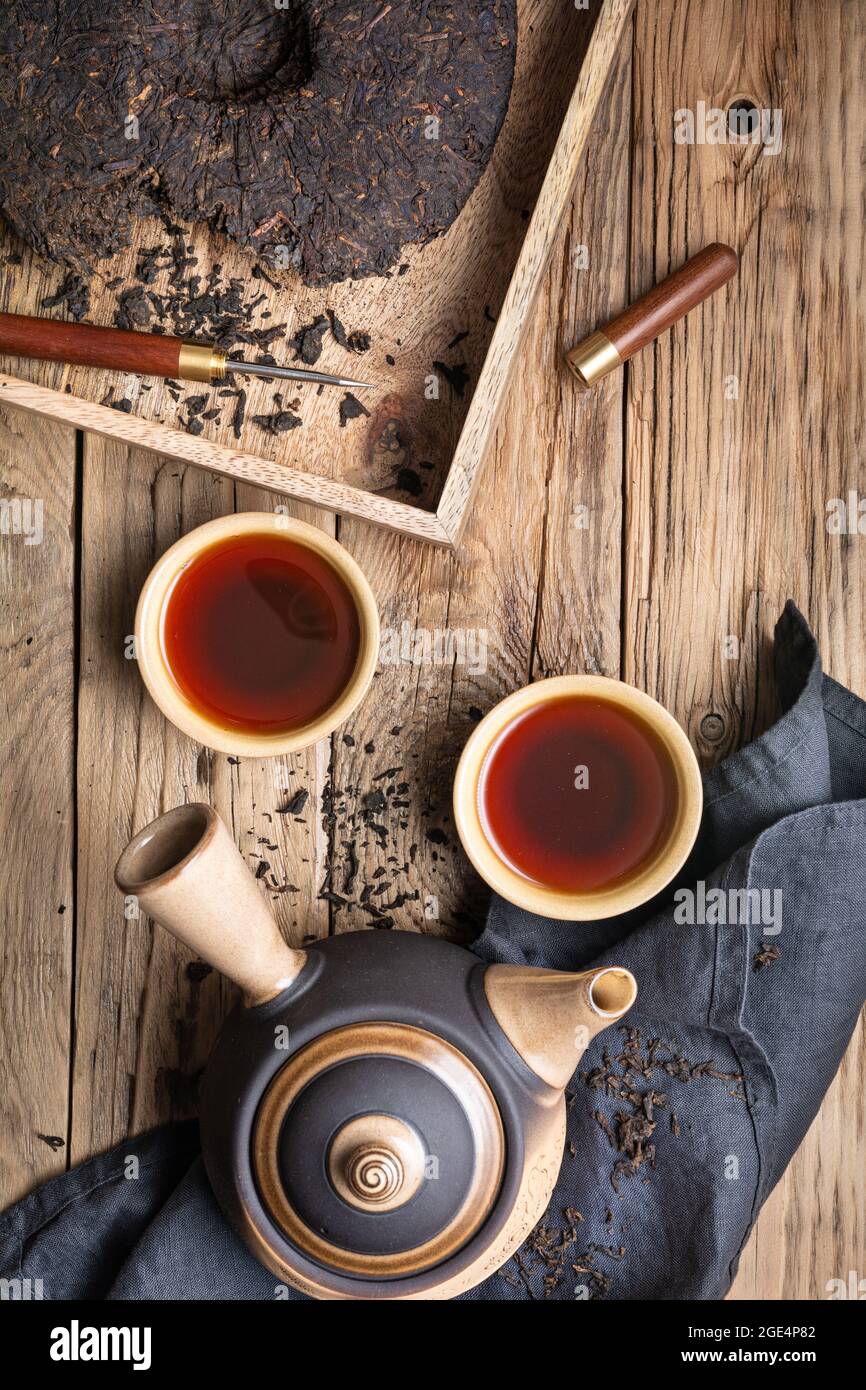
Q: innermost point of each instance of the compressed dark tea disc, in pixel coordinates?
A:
(323, 135)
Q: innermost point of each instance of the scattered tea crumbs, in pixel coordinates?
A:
(620, 1077)
(550, 1252)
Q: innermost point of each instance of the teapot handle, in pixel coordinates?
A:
(186, 872)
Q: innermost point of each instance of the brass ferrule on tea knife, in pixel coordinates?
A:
(197, 363)
(201, 363)
(655, 312)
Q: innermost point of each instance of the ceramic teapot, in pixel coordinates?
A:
(383, 1115)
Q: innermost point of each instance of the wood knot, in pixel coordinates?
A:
(712, 728)
(744, 120)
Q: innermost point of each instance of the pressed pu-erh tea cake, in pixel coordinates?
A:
(322, 135)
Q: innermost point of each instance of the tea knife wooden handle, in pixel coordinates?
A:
(651, 315)
(86, 345)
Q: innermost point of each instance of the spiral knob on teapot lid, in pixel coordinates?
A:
(376, 1162)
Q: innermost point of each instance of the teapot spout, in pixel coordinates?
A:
(185, 870)
(550, 1017)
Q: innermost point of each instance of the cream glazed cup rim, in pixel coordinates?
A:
(605, 902)
(159, 680)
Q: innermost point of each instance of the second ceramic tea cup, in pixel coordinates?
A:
(594, 814)
(310, 592)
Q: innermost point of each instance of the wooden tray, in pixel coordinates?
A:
(463, 301)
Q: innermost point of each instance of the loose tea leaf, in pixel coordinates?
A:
(356, 341)
(53, 1141)
(307, 342)
(456, 376)
(239, 412)
(296, 805)
(350, 409)
(767, 955)
(135, 309)
(73, 294)
(321, 134)
(279, 423)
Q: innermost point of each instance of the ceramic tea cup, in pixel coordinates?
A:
(578, 798)
(287, 657)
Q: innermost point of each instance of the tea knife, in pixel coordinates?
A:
(150, 354)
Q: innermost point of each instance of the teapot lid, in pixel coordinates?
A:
(378, 1150)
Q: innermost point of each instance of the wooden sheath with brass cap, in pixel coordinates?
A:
(651, 315)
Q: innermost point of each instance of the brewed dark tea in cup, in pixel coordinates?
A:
(257, 634)
(577, 794)
(261, 633)
(579, 798)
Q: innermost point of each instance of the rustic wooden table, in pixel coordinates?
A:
(631, 532)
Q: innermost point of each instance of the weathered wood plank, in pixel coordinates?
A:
(37, 808)
(482, 622)
(147, 1014)
(553, 203)
(741, 424)
(579, 448)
